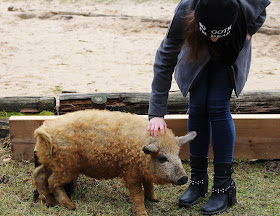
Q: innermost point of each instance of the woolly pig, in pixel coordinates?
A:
(105, 145)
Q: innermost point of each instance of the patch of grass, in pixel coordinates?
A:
(57, 90)
(257, 192)
(5, 115)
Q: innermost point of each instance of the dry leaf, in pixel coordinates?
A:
(6, 160)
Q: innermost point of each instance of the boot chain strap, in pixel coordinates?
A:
(199, 182)
(224, 190)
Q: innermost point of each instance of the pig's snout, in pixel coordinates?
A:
(182, 180)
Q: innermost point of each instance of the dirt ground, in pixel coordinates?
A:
(49, 46)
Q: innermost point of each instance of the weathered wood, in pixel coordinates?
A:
(256, 102)
(249, 102)
(22, 151)
(18, 104)
(129, 102)
(257, 135)
(22, 134)
(4, 128)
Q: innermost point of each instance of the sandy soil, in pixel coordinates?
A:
(49, 46)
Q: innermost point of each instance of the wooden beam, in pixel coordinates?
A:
(249, 102)
(257, 135)
(27, 104)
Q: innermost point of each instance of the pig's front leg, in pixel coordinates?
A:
(137, 195)
(40, 180)
(149, 191)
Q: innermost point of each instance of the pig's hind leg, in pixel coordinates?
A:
(149, 191)
(57, 184)
(40, 180)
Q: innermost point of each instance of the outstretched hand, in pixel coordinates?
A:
(155, 124)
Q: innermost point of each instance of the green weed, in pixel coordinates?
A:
(5, 115)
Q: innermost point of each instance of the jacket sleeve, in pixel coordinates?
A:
(254, 26)
(165, 61)
(255, 13)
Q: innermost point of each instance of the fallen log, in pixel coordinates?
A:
(27, 104)
(249, 102)
(128, 102)
(256, 102)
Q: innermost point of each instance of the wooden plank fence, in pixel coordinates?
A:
(258, 136)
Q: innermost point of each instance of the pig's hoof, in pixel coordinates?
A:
(153, 199)
(50, 201)
(70, 206)
(50, 204)
(140, 214)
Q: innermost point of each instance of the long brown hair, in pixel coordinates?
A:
(194, 39)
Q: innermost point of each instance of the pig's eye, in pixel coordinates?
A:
(162, 159)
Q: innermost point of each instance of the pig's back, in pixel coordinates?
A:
(99, 141)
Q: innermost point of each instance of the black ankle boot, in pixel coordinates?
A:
(198, 184)
(223, 191)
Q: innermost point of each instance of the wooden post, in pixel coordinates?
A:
(22, 135)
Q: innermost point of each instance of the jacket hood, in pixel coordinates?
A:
(251, 10)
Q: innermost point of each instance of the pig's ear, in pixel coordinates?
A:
(152, 148)
(184, 139)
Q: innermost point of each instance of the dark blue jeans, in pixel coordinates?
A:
(209, 113)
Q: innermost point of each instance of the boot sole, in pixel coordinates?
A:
(219, 211)
(214, 212)
(187, 205)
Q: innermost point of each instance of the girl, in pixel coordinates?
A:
(208, 43)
